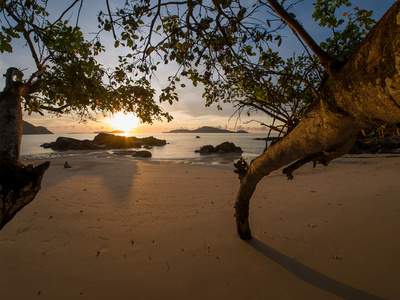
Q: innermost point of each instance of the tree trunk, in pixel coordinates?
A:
(364, 92)
(19, 184)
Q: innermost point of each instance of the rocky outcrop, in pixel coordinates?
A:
(225, 147)
(376, 145)
(111, 141)
(103, 141)
(64, 144)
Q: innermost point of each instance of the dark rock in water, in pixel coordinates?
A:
(142, 153)
(47, 145)
(228, 147)
(112, 141)
(103, 141)
(119, 142)
(225, 147)
(207, 149)
(64, 144)
(152, 141)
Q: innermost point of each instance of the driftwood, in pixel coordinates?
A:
(19, 184)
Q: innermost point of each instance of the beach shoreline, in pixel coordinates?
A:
(115, 227)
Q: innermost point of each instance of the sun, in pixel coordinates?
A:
(124, 122)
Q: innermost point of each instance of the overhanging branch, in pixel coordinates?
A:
(328, 62)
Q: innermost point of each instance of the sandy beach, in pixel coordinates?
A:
(115, 228)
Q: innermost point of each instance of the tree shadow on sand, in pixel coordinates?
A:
(311, 276)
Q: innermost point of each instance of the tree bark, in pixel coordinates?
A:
(364, 92)
(19, 184)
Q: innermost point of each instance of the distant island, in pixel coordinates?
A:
(205, 129)
(114, 131)
(28, 128)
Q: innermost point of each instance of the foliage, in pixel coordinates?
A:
(347, 32)
(231, 48)
(68, 76)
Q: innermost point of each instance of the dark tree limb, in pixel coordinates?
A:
(328, 62)
(18, 187)
(323, 158)
(362, 93)
(19, 184)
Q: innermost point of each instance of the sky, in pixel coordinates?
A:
(190, 112)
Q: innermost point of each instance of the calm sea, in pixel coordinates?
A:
(180, 146)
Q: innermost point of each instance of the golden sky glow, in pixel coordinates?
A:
(124, 122)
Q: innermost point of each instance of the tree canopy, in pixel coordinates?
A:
(68, 78)
(232, 48)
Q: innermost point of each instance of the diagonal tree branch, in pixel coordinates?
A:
(328, 62)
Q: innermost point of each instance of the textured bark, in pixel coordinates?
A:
(19, 184)
(364, 92)
(18, 187)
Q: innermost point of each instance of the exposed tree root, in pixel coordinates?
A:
(18, 187)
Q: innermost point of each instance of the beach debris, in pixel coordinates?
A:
(67, 165)
(97, 253)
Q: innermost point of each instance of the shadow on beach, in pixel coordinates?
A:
(311, 276)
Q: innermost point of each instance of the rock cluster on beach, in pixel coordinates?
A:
(103, 141)
(225, 147)
(375, 145)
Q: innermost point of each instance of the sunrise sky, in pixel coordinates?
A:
(190, 112)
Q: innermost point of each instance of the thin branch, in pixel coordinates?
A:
(112, 22)
(56, 110)
(151, 29)
(79, 13)
(329, 62)
(32, 48)
(65, 11)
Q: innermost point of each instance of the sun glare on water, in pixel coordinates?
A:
(124, 122)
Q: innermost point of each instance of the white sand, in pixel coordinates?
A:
(115, 228)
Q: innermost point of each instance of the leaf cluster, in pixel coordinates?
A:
(348, 25)
(231, 48)
(68, 76)
(223, 46)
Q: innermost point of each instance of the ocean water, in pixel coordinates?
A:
(180, 146)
